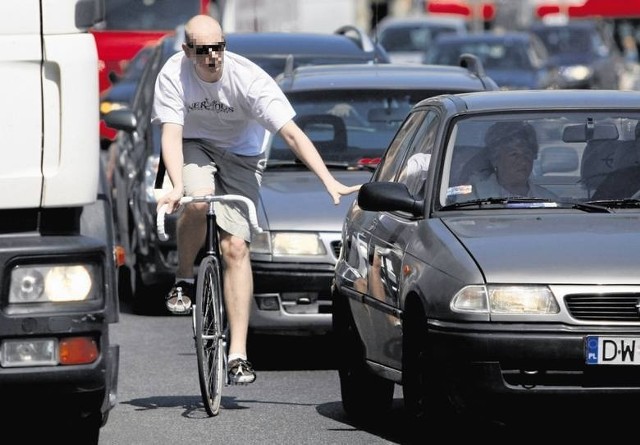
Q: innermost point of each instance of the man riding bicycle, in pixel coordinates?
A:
(214, 107)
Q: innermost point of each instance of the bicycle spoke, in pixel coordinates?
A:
(210, 342)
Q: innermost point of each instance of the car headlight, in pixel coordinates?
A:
(52, 283)
(505, 299)
(576, 72)
(296, 244)
(288, 244)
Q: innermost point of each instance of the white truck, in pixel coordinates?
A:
(58, 286)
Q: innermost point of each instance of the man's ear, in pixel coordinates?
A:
(186, 49)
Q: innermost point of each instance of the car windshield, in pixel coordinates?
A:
(547, 159)
(349, 127)
(564, 40)
(144, 15)
(412, 37)
(493, 54)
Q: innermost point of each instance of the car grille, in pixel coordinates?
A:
(604, 307)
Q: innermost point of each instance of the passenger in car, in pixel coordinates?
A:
(512, 147)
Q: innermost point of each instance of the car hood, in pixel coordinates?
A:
(567, 248)
(297, 200)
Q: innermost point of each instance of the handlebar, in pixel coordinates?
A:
(251, 208)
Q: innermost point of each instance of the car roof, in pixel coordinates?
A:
(377, 76)
(546, 100)
(583, 24)
(396, 21)
(291, 43)
(487, 36)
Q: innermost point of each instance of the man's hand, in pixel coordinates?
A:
(172, 199)
(337, 190)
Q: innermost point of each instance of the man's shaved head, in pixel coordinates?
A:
(202, 30)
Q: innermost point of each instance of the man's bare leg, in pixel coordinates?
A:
(191, 230)
(238, 289)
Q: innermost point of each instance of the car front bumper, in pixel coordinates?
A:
(486, 365)
(291, 298)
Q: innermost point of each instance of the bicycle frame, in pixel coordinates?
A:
(210, 327)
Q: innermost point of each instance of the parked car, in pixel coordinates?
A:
(291, 283)
(585, 52)
(270, 50)
(515, 60)
(503, 305)
(407, 38)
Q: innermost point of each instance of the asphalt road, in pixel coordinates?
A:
(295, 399)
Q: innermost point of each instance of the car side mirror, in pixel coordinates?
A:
(122, 119)
(389, 197)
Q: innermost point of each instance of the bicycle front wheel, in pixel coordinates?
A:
(210, 334)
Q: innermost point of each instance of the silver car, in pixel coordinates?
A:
(501, 270)
(351, 112)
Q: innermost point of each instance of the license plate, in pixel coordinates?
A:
(612, 350)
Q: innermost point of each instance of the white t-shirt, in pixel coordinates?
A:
(233, 112)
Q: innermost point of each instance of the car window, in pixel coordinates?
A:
(393, 157)
(577, 157)
(147, 15)
(370, 119)
(413, 171)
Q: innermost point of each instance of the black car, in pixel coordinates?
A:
(585, 53)
(291, 283)
(270, 50)
(490, 264)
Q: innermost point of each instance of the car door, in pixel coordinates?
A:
(389, 234)
(132, 151)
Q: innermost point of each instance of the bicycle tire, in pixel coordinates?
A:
(210, 334)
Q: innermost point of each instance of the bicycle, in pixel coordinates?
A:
(209, 322)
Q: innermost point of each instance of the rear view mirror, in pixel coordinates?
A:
(590, 132)
(387, 114)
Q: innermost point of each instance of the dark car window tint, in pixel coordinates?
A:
(414, 169)
(394, 155)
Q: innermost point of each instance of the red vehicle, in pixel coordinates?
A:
(131, 24)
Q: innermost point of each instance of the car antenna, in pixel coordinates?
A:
(472, 63)
(288, 66)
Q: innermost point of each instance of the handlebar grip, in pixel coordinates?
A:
(251, 209)
(162, 235)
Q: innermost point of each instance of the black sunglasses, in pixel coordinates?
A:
(202, 50)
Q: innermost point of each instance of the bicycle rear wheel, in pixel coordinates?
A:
(210, 334)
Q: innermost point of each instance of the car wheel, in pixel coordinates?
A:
(365, 396)
(423, 385)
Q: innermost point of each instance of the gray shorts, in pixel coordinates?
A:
(208, 169)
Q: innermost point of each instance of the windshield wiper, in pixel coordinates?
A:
(528, 203)
(513, 201)
(626, 203)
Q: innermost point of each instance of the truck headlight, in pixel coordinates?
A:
(46, 283)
